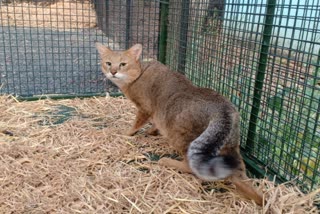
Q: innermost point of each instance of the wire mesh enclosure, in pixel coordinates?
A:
(47, 47)
(263, 55)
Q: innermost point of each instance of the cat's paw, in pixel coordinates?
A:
(181, 166)
(130, 132)
(167, 162)
(153, 132)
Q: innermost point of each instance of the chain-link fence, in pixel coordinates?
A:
(263, 55)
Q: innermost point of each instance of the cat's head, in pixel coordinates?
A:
(121, 67)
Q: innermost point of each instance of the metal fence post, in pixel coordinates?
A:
(260, 75)
(128, 23)
(102, 8)
(164, 9)
(184, 19)
(106, 17)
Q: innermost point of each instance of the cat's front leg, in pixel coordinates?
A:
(141, 119)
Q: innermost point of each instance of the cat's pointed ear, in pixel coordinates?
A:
(101, 48)
(136, 51)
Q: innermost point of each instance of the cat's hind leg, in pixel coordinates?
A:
(244, 186)
(179, 143)
(181, 166)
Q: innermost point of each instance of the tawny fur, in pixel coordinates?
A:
(199, 123)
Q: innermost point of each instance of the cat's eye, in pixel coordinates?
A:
(108, 63)
(123, 64)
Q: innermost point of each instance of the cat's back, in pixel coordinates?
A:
(172, 82)
(163, 77)
(174, 94)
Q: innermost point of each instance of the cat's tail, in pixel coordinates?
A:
(204, 155)
(208, 162)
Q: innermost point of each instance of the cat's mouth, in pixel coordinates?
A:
(111, 76)
(116, 76)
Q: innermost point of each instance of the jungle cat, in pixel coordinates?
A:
(199, 123)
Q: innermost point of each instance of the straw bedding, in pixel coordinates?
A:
(70, 156)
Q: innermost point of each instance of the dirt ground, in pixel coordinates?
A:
(66, 14)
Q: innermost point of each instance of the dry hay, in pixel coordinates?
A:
(64, 14)
(70, 156)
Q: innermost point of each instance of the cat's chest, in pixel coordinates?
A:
(143, 105)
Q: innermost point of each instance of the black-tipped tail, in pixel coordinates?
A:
(204, 152)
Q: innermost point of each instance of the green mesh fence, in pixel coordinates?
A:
(263, 55)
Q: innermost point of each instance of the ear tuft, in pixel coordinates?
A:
(102, 49)
(136, 51)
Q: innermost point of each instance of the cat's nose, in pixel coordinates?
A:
(113, 72)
